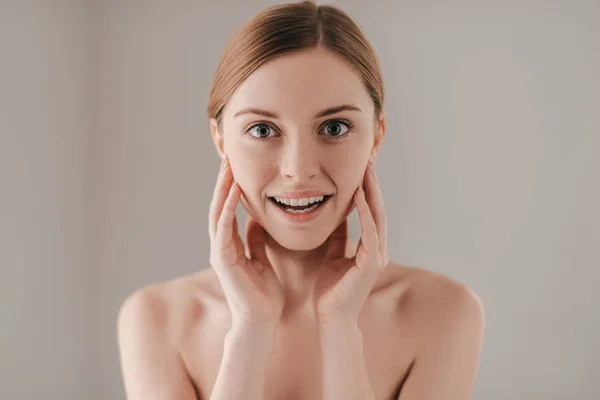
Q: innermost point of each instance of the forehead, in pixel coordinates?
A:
(301, 84)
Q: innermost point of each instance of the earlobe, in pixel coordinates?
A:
(379, 134)
(217, 137)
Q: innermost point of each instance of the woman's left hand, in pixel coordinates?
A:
(344, 298)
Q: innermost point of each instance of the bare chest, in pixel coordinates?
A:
(294, 371)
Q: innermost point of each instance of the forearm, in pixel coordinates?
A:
(244, 364)
(345, 373)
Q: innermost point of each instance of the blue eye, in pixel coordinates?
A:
(337, 133)
(263, 131)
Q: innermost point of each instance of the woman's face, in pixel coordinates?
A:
(279, 141)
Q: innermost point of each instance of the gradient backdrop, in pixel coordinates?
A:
(490, 172)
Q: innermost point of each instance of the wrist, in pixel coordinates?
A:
(337, 322)
(339, 326)
(251, 345)
(248, 325)
(253, 320)
(246, 353)
(257, 333)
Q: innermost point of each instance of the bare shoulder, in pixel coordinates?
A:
(168, 308)
(152, 322)
(435, 302)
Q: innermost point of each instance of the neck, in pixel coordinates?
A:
(298, 272)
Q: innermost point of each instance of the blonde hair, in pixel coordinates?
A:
(287, 28)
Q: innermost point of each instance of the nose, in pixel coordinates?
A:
(299, 160)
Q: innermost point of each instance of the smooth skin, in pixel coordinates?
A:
(300, 312)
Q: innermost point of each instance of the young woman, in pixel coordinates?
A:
(299, 312)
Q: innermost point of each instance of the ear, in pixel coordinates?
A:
(217, 137)
(379, 134)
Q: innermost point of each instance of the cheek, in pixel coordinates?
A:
(251, 172)
(346, 187)
(348, 170)
(244, 163)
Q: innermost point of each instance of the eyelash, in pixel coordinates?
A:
(339, 137)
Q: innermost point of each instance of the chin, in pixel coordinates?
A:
(300, 240)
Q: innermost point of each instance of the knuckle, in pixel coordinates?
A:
(222, 222)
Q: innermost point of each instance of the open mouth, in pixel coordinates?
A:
(300, 206)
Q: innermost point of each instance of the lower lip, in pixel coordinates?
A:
(304, 217)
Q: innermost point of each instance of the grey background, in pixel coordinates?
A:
(489, 170)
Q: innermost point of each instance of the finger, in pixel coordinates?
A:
(377, 207)
(236, 235)
(368, 229)
(222, 188)
(338, 241)
(224, 232)
(256, 238)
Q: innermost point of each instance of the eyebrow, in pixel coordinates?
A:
(320, 114)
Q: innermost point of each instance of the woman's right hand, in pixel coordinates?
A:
(252, 290)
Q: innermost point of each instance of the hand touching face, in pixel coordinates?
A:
(347, 282)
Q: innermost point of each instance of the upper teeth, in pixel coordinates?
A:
(299, 202)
